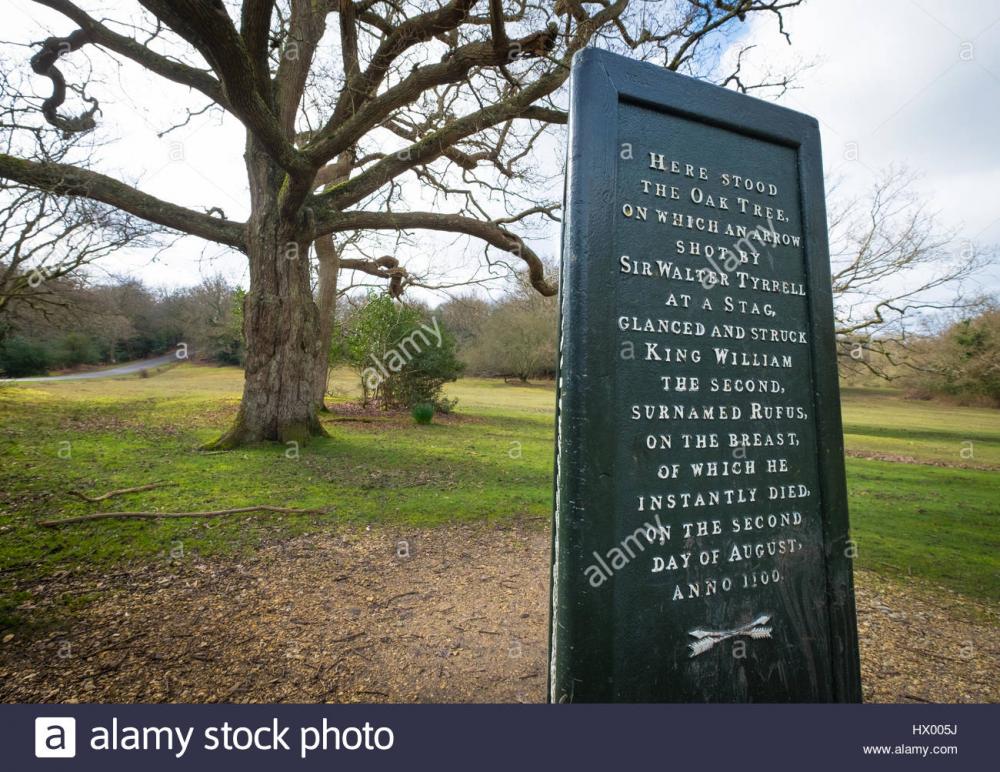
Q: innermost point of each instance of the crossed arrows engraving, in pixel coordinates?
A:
(706, 639)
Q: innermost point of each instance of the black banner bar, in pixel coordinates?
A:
(500, 737)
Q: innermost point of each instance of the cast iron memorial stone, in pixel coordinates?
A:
(700, 548)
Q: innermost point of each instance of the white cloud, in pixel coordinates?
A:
(910, 83)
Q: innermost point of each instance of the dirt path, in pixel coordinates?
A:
(437, 615)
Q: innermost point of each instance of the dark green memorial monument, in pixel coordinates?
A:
(700, 547)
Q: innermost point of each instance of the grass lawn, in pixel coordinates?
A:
(878, 421)
(492, 460)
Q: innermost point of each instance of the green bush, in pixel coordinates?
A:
(403, 356)
(77, 349)
(423, 412)
(21, 357)
(962, 362)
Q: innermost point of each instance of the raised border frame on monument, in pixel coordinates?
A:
(580, 615)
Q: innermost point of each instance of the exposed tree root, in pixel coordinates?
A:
(240, 434)
(155, 515)
(119, 492)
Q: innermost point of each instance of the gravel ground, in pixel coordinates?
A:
(449, 614)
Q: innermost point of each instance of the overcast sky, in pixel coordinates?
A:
(910, 83)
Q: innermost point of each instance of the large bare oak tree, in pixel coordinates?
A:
(345, 103)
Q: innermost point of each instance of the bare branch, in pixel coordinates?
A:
(101, 35)
(489, 232)
(44, 63)
(66, 180)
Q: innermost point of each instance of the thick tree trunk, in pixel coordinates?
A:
(280, 324)
(329, 269)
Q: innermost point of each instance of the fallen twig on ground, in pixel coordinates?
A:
(119, 492)
(154, 515)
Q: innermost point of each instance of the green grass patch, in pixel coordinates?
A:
(490, 462)
(882, 422)
(938, 524)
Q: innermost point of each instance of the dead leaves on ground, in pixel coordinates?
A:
(458, 615)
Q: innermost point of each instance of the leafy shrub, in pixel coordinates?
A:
(77, 349)
(962, 362)
(21, 357)
(445, 405)
(423, 412)
(402, 356)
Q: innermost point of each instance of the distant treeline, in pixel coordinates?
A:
(959, 362)
(124, 319)
(119, 321)
(512, 337)
(962, 362)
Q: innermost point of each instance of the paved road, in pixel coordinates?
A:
(111, 372)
